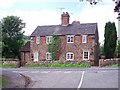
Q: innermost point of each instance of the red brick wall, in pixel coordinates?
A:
(65, 20)
(41, 48)
(25, 57)
(77, 47)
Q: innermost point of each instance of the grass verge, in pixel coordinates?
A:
(3, 81)
(8, 66)
(59, 65)
(115, 65)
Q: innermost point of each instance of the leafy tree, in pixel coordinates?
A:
(101, 49)
(110, 39)
(12, 36)
(26, 38)
(0, 42)
(53, 48)
(118, 49)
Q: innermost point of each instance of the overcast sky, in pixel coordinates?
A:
(47, 12)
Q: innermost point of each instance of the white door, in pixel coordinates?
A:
(35, 56)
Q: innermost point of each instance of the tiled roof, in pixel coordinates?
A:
(71, 29)
(26, 47)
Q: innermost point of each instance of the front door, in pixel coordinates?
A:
(35, 56)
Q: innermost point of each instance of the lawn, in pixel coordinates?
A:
(59, 65)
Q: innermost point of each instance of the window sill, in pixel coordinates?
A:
(70, 42)
(70, 60)
(85, 59)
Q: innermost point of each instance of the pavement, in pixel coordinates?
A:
(93, 77)
(14, 80)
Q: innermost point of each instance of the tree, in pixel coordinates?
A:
(118, 49)
(117, 6)
(110, 40)
(94, 2)
(12, 36)
(53, 48)
(101, 50)
(0, 42)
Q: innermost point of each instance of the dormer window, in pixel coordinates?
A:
(70, 39)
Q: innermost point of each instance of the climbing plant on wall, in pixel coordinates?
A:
(53, 48)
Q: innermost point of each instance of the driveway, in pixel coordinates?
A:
(71, 78)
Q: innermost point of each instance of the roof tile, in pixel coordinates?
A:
(71, 29)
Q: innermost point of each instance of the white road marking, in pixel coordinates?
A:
(80, 84)
(21, 71)
(35, 72)
(17, 71)
(57, 71)
(25, 71)
(102, 71)
(68, 72)
(45, 72)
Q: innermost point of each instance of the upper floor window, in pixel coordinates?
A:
(48, 39)
(84, 38)
(70, 39)
(69, 56)
(48, 56)
(37, 39)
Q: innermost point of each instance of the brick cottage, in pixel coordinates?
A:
(79, 42)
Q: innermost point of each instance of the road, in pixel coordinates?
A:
(71, 78)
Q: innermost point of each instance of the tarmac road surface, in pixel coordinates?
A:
(94, 77)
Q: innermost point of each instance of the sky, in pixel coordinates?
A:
(47, 12)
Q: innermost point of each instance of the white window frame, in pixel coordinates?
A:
(35, 56)
(84, 55)
(70, 36)
(69, 53)
(84, 38)
(47, 58)
(48, 39)
(37, 39)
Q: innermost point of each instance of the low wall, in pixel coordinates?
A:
(10, 61)
(58, 61)
(102, 62)
(105, 62)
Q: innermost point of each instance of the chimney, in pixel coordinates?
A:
(65, 19)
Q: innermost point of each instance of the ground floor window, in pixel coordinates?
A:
(35, 56)
(70, 56)
(48, 56)
(85, 55)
